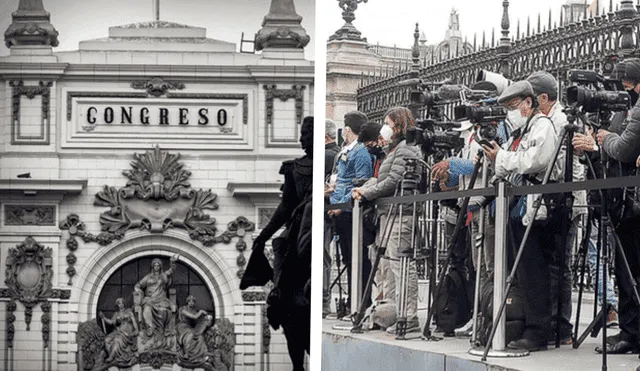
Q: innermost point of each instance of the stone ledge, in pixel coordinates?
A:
(33, 186)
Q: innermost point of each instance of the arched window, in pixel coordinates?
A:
(185, 281)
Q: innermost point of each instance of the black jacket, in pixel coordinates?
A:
(624, 144)
(330, 152)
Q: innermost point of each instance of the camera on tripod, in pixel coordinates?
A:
(484, 112)
(432, 141)
(595, 93)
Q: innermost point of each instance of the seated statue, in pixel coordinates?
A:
(153, 304)
(192, 324)
(122, 343)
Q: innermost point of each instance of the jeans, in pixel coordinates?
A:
(592, 254)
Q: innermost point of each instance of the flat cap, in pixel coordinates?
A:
(518, 89)
(543, 83)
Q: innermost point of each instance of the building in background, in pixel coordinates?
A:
(151, 144)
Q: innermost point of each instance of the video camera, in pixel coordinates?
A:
(432, 141)
(595, 93)
(484, 112)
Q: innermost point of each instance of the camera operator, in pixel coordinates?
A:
(545, 87)
(622, 145)
(524, 158)
(456, 171)
(353, 163)
(331, 149)
(391, 173)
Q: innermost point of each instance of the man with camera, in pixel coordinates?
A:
(622, 145)
(524, 159)
(545, 87)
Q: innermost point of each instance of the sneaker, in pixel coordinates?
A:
(612, 318)
(412, 326)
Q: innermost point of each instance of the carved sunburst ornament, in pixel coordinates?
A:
(157, 175)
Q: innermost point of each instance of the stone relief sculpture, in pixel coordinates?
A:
(154, 309)
(192, 345)
(121, 345)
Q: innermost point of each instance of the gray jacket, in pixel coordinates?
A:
(390, 174)
(626, 146)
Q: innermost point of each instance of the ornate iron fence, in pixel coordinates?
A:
(585, 44)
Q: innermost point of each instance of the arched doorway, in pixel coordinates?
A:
(186, 281)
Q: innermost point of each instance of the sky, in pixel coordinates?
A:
(392, 22)
(78, 20)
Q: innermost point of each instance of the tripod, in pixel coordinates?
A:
(567, 132)
(605, 221)
(341, 302)
(426, 333)
(409, 184)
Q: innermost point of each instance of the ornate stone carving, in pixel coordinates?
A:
(348, 30)
(192, 345)
(46, 321)
(18, 90)
(271, 93)
(157, 197)
(266, 330)
(218, 342)
(42, 215)
(281, 28)
(73, 225)
(28, 275)
(121, 345)
(264, 215)
(221, 343)
(90, 339)
(10, 318)
(31, 26)
(240, 227)
(155, 307)
(251, 296)
(157, 87)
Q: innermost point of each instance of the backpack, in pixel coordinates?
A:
(514, 313)
(454, 303)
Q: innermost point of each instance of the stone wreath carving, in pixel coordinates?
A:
(157, 87)
(157, 197)
(28, 278)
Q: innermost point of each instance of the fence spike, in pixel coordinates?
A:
(549, 18)
(493, 37)
(518, 29)
(610, 6)
(483, 38)
(571, 15)
(561, 17)
(474, 39)
(539, 23)
(598, 8)
(528, 26)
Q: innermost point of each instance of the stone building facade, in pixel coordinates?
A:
(155, 142)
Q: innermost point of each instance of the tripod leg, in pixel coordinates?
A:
(584, 245)
(537, 204)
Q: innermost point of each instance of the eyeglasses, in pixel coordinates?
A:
(513, 106)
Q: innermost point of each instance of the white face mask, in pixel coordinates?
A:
(515, 118)
(386, 132)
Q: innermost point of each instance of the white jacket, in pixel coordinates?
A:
(532, 156)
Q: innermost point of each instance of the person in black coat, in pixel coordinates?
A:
(621, 143)
(331, 149)
(288, 303)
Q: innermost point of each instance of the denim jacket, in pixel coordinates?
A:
(355, 163)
